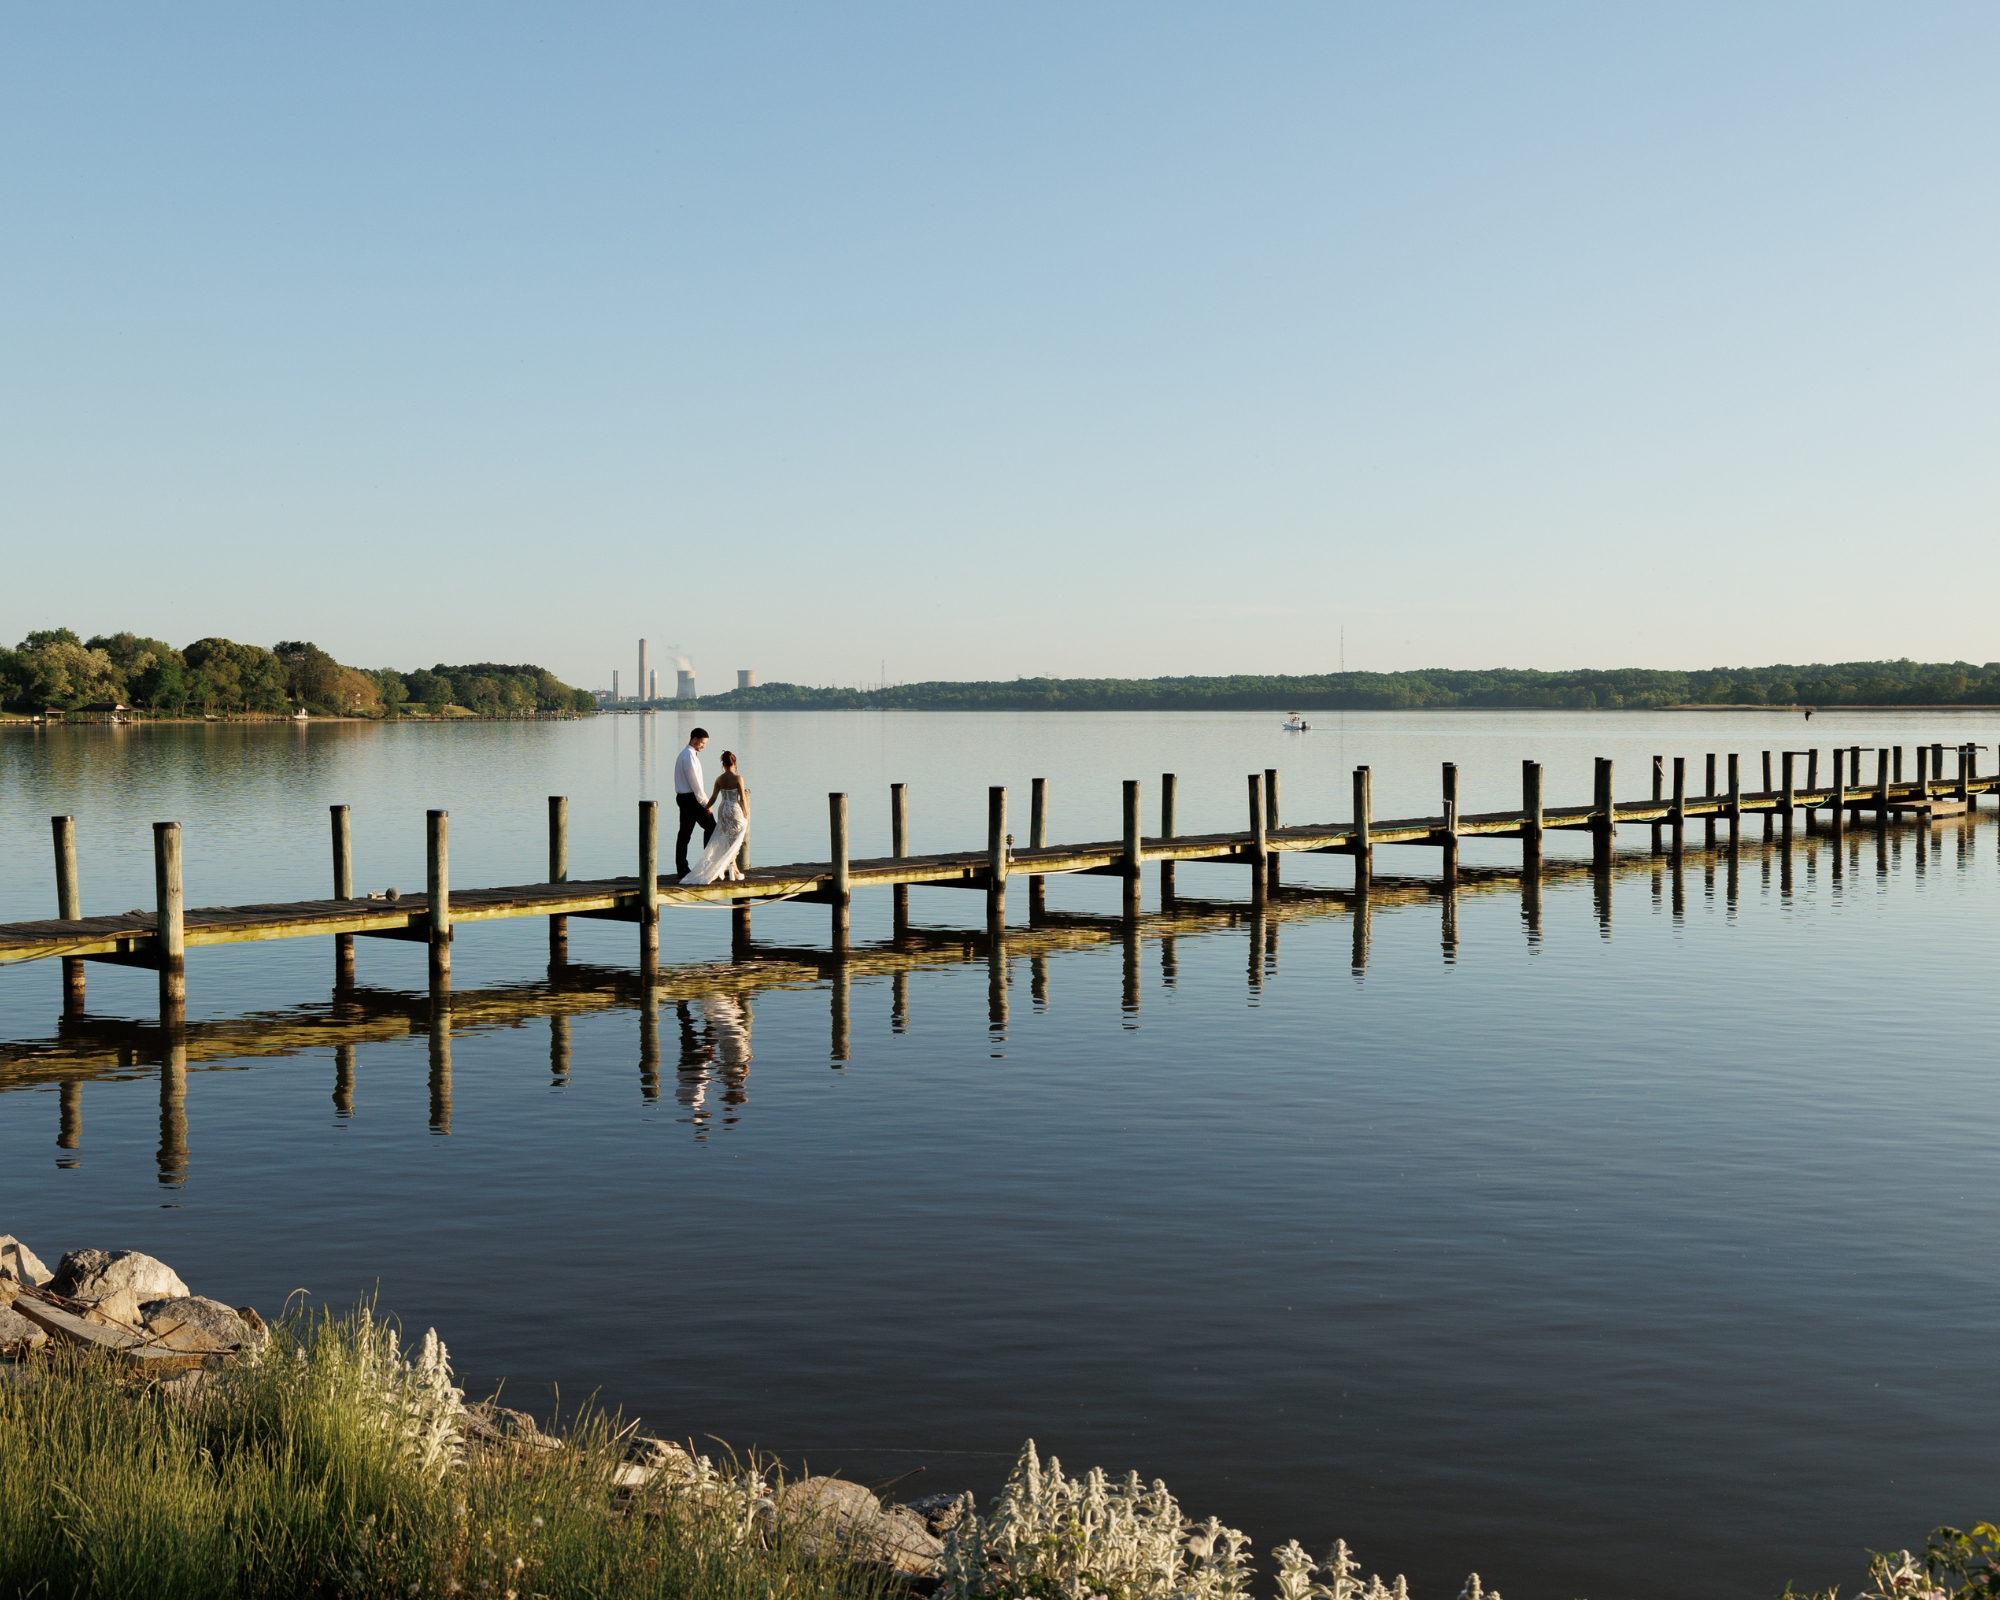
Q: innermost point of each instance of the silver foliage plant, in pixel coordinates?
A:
(411, 1398)
(1052, 1537)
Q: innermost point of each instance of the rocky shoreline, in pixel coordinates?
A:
(137, 1309)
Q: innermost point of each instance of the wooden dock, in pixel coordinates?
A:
(159, 939)
(87, 1048)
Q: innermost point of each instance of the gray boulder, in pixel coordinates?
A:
(206, 1323)
(832, 1516)
(940, 1512)
(17, 1334)
(20, 1263)
(92, 1274)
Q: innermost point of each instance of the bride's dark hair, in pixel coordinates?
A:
(729, 759)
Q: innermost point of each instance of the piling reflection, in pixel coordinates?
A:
(559, 1048)
(173, 1156)
(343, 1081)
(1128, 988)
(69, 1137)
(996, 990)
(440, 1076)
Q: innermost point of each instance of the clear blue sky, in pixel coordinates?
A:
(1121, 339)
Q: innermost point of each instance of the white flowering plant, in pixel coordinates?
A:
(1052, 1537)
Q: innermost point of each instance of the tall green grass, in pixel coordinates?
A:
(306, 1475)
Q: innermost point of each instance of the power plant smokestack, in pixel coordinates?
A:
(653, 685)
(746, 677)
(614, 684)
(642, 667)
(686, 688)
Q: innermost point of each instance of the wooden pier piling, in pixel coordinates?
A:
(1448, 866)
(1839, 802)
(839, 887)
(739, 910)
(1882, 788)
(1135, 850)
(1708, 793)
(1168, 784)
(437, 885)
(1677, 817)
(1770, 818)
(649, 886)
(996, 858)
(1735, 801)
(172, 946)
(899, 847)
(1659, 793)
(558, 873)
(1604, 817)
(1257, 848)
(1038, 836)
(1790, 801)
(69, 907)
(1531, 819)
(343, 889)
(1271, 826)
(1363, 846)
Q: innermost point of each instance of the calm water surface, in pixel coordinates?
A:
(1643, 1241)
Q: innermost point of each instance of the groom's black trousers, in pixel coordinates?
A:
(692, 812)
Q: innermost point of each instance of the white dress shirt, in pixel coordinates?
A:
(687, 775)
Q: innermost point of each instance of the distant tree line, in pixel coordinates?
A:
(1877, 683)
(56, 670)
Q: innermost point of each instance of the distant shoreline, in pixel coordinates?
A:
(140, 719)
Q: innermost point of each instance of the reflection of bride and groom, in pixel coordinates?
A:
(717, 1046)
(723, 815)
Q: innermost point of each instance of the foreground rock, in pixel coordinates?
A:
(93, 1274)
(834, 1517)
(195, 1322)
(122, 1302)
(941, 1512)
(19, 1264)
(18, 1335)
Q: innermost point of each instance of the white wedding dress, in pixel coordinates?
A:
(718, 861)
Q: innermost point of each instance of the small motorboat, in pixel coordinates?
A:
(1298, 724)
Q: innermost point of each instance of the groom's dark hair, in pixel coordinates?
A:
(697, 733)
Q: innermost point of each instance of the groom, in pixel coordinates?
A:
(691, 795)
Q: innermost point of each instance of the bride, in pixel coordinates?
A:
(732, 825)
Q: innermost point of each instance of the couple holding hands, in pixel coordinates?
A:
(723, 815)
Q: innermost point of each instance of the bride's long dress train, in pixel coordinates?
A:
(718, 861)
